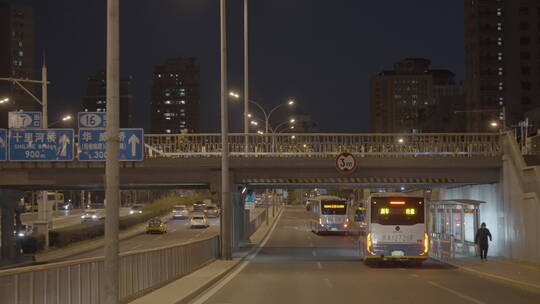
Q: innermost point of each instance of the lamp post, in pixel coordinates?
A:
(65, 118)
(43, 102)
(226, 248)
(267, 114)
(492, 124)
(112, 167)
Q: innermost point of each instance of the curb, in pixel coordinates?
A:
(523, 285)
(220, 276)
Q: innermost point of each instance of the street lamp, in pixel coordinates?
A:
(65, 118)
(267, 115)
(4, 100)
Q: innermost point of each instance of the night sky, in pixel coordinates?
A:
(321, 53)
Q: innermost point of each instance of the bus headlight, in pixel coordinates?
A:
(426, 244)
(369, 248)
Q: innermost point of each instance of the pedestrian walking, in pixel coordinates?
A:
(481, 240)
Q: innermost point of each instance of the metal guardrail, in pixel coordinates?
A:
(325, 145)
(80, 281)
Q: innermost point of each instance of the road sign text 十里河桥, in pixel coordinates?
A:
(96, 120)
(25, 120)
(3, 144)
(93, 144)
(345, 163)
(41, 144)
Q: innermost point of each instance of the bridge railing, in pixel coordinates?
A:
(81, 281)
(325, 145)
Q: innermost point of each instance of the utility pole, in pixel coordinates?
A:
(44, 98)
(226, 253)
(112, 168)
(246, 74)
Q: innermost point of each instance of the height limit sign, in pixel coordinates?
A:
(345, 163)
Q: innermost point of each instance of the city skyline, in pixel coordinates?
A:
(345, 54)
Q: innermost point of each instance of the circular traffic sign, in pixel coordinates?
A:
(345, 163)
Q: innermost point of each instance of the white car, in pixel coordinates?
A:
(92, 216)
(135, 209)
(199, 221)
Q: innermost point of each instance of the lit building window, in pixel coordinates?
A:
(182, 102)
(168, 131)
(167, 102)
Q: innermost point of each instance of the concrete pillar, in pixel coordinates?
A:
(8, 203)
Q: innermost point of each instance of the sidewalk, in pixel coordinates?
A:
(524, 275)
(192, 285)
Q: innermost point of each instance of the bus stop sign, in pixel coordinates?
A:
(345, 163)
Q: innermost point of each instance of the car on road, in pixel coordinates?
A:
(65, 206)
(155, 225)
(92, 216)
(23, 231)
(211, 211)
(199, 221)
(135, 209)
(180, 212)
(199, 206)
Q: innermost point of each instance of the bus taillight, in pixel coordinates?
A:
(368, 244)
(426, 244)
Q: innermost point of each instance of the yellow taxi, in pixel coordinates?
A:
(155, 225)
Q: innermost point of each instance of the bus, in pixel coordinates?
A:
(395, 230)
(329, 214)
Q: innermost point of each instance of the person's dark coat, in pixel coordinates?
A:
(481, 237)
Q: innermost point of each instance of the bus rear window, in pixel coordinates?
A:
(333, 208)
(397, 211)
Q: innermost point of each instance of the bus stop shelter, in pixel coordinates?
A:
(452, 225)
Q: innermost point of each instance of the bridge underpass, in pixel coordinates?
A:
(450, 170)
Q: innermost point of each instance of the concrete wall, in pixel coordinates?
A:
(512, 211)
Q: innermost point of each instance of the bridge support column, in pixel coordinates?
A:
(10, 251)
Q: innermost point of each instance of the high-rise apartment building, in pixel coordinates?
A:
(408, 98)
(176, 97)
(502, 41)
(96, 97)
(17, 57)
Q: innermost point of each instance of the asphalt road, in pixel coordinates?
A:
(177, 231)
(297, 266)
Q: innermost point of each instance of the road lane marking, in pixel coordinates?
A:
(457, 293)
(212, 291)
(314, 253)
(402, 269)
(328, 283)
(414, 275)
(319, 265)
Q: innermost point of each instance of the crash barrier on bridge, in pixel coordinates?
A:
(441, 247)
(325, 145)
(253, 225)
(81, 281)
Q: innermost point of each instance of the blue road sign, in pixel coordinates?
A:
(3, 145)
(25, 120)
(41, 144)
(92, 120)
(92, 145)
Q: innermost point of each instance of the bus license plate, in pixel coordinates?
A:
(333, 229)
(398, 253)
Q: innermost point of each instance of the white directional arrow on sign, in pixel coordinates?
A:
(133, 141)
(64, 142)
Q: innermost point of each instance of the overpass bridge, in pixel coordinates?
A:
(281, 160)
